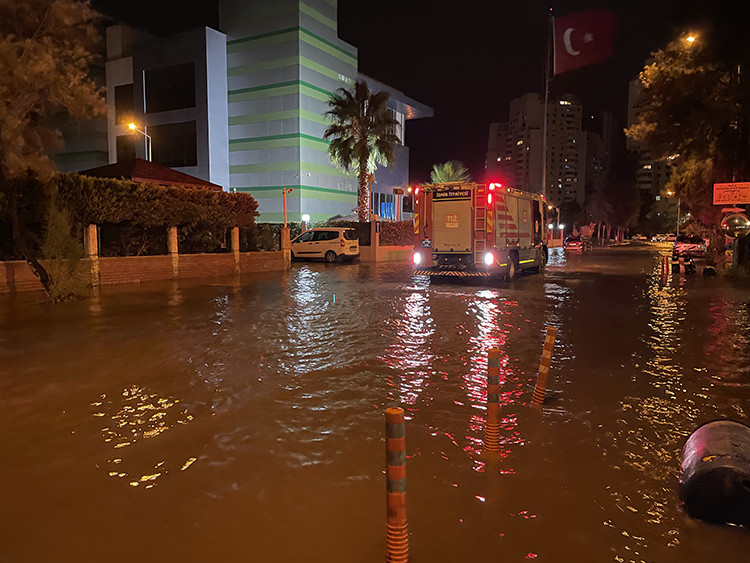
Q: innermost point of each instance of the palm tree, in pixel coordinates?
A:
(451, 171)
(363, 134)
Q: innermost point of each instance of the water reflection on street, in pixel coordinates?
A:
(243, 420)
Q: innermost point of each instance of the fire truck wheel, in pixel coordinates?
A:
(510, 275)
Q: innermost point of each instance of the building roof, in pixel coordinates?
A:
(411, 109)
(140, 170)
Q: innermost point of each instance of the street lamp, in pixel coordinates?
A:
(679, 199)
(286, 191)
(133, 127)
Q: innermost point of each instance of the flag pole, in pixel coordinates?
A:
(550, 31)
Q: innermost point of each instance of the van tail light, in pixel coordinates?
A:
(343, 243)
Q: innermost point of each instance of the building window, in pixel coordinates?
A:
(124, 103)
(174, 144)
(125, 148)
(170, 88)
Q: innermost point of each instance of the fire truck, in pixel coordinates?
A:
(478, 230)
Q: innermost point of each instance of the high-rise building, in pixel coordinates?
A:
(515, 148)
(244, 107)
(600, 147)
(651, 175)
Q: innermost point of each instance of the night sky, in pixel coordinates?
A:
(469, 60)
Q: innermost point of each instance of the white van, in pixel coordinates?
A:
(329, 243)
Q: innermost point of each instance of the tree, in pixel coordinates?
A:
(451, 171)
(362, 134)
(696, 119)
(599, 210)
(46, 48)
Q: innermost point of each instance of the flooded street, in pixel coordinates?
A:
(244, 421)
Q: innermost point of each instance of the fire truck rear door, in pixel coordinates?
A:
(452, 220)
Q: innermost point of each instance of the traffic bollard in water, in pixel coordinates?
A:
(715, 477)
(544, 363)
(397, 533)
(492, 425)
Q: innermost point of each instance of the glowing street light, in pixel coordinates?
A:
(133, 127)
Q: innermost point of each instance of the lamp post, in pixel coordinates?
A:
(133, 127)
(679, 199)
(286, 191)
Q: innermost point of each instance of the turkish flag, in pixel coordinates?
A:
(582, 39)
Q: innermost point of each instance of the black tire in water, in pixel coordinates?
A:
(330, 256)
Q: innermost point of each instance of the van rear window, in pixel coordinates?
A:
(350, 235)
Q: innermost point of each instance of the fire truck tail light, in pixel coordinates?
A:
(489, 259)
(417, 258)
(489, 198)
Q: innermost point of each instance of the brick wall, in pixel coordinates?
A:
(17, 276)
(134, 269)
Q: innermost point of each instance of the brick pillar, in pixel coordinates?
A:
(286, 247)
(235, 246)
(91, 249)
(174, 251)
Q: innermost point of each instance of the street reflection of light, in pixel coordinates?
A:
(555, 257)
(667, 315)
(409, 354)
(135, 416)
(652, 446)
(312, 333)
(491, 313)
(728, 346)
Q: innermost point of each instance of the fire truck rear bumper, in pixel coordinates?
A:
(452, 273)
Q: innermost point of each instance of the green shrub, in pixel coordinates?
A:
(133, 216)
(396, 233)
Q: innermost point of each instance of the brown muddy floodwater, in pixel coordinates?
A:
(230, 421)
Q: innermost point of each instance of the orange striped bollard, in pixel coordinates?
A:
(492, 426)
(541, 379)
(397, 533)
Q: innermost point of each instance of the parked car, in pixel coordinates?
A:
(690, 245)
(329, 243)
(670, 238)
(639, 238)
(573, 242)
(659, 237)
